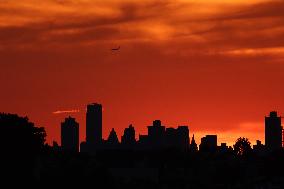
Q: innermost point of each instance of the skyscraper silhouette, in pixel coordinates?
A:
(70, 135)
(94, 124)
(128, 137)
(273, 131)
(183, 137)
(156, 134)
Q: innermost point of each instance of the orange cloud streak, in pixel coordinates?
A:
(65, 111)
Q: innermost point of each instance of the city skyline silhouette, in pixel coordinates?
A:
(181, 94)
(158, 136)
(212, 65)
(165, 157)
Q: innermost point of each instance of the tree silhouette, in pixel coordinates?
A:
(21, 144)
(242, 146)
(19, 136)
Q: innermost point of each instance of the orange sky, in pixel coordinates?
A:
(214, 65)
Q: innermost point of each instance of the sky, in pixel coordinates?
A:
(214, 65)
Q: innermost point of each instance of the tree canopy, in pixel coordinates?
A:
(19, 135)
(242, 146)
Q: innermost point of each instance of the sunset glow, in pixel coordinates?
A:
(214, 65)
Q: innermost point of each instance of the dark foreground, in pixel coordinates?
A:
(130, 169)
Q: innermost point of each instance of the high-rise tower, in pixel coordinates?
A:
(94, 124)
(273, 131)
(70, 135)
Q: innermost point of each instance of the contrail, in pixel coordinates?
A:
(65, 111)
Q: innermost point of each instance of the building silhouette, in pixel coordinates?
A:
(128, 137)
(171, 137)
(94, 124)
(273, 131)
(223, 148)
(156, 134)
(112, 142)
(193, 145)
(143, 142)
(208, 143)
(112, 138)
(159, 137)
(70, 135)
(183, 137)
(259, 148)
(177, 138)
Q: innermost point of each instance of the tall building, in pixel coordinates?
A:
(273, 131)
(156, 131)
(128, 137)
(208, 143)
(156, 134)
(94, 124)
(183, 137)
(177, 138)
(70, 135)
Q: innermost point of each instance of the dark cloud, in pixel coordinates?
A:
(77, 27)
(262, 10)
(251, 26)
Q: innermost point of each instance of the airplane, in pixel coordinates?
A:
(115, 49)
